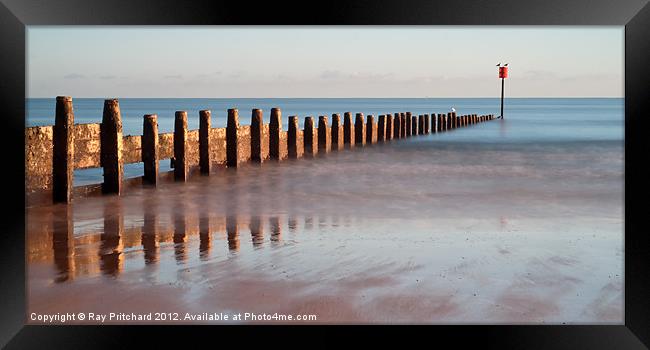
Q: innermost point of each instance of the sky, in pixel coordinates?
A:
(321, 61)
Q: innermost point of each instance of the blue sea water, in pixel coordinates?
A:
(544, 122)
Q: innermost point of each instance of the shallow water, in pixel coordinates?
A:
(476, 225)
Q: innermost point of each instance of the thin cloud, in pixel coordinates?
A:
(538, 75)
(330, 74)
(74, 76)
(174, 76)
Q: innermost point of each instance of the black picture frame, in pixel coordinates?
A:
(633, 14)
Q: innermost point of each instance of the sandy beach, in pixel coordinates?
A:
(427, 230)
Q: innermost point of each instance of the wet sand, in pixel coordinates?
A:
(419, 231)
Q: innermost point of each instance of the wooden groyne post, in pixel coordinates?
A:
(348, 130)
(232, 136)
(150, 149)
(409, 129)
(397, 126)
(308, 137)
(359, 130)
(181, 167)
(370, 130)
(275, 130)
(63, 150)
(292, 137)
(324, 135)
(204, 141)
(111, 147)
(336, 132)
(381, 128)
(257, 124)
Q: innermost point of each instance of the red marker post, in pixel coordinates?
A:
(503, 74)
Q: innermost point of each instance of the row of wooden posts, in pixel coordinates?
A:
(389, 127)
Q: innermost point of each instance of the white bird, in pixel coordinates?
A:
(453, 109)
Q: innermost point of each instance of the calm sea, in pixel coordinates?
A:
(544, 122)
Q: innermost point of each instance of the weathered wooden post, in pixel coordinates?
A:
(421, 124)
(204, 141)
(180, 147)
(275, 130)
(63, 151)
(389, 127)
(458, 125)
(335, 130)
(397, 126)
(150, 148)
(427, 122)
(441, 123)
(111, 147)
(370, 130)
(257, 125)
(359, 130)
(381, 128)
(232, 136)
(308, 137)
(414, 126)
(348, 130)
(409, 128)
(324, 136)
(292, 137)
(403, 124)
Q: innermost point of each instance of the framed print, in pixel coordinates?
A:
(356, 165)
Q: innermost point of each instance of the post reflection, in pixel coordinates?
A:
(63, 243)
(204, 237)
(180, 233)
(150, 232)
(257, 231)
(232, 230)
(292, 224)
(111, 246)
(276, 230)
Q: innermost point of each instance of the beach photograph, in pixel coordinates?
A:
(316, 175)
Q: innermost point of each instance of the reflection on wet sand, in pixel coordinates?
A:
(204, 235)
(111, 238)
(113, 244)
(63, 243)
(233, 233)
(149, 232)
(180, 233)
(276, 231)
(257, 231)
